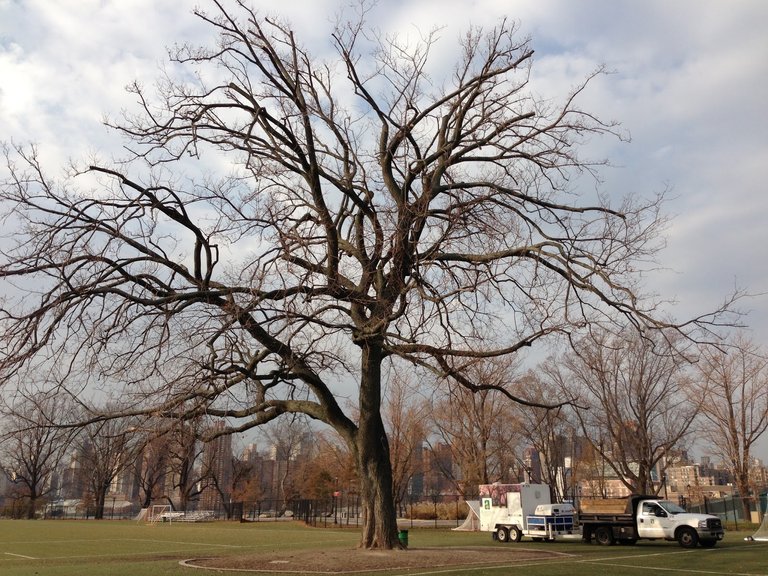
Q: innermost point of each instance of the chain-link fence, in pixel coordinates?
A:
(340, 510)
(732, 509)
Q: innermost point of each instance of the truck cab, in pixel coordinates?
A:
(661, 519)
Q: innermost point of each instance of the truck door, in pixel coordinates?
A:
(650, 524)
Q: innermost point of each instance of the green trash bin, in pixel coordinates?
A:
(402, 535)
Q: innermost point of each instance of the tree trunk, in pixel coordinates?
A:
(101, 497)
(31, 507)
(743, 488)
(373, 460)
(379, 515)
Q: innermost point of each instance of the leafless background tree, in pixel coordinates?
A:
(368, 207)
(406, 416)
(733, 380)
(287, 438)
(633, 388)
(167, 464)
(225, 476)
(480, 428)
(105, 449)
(319, 474)
(32, 444)
(151, 467)
(551, 432)
(184, 452)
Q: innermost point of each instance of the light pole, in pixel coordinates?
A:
(435, 497)
(336, 494)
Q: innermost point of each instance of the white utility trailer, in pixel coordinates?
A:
(512, 511)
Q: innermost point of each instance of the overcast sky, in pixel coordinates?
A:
(690, 84)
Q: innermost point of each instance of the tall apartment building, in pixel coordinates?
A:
(217, 471)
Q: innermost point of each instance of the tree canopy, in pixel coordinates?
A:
(363, 213)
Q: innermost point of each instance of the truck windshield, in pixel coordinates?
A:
(671, 508)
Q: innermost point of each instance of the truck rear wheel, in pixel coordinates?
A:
(604, 535)
(514, 534)
(502, 534)
(687, 538)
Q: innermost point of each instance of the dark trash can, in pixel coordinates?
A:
(402, 535)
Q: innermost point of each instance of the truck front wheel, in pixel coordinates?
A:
(687, 538)
(604, 535)
(502, 535)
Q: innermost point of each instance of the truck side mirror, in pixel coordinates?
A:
(660, 513)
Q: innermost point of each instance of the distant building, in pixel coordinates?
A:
(439, 472)
(73, 480)
(217, 471)
(5, 486)
(758, 474)
(694, 481)
(532, 464)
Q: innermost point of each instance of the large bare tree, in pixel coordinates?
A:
(734, 381)
(366, 208)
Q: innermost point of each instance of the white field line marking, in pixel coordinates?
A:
(98, 540)
(264, 545)
(605, 562)
(686, 570)
(492, 567)
(180, 551)
(648, 555)
(597, 561)
(198, 544)
(20, 556)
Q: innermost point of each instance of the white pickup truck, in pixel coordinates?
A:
(627, 520)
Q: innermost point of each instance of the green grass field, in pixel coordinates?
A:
(122, 548)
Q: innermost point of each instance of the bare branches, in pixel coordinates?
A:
(31, 445)
(734, 381)
(418, 232)
(634, 388)
(366, 210)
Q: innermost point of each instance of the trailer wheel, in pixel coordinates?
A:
(604, 535)
(687, 538)
(502, 535)
(514, 534)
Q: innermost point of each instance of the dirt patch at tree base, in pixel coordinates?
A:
(340, 561)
